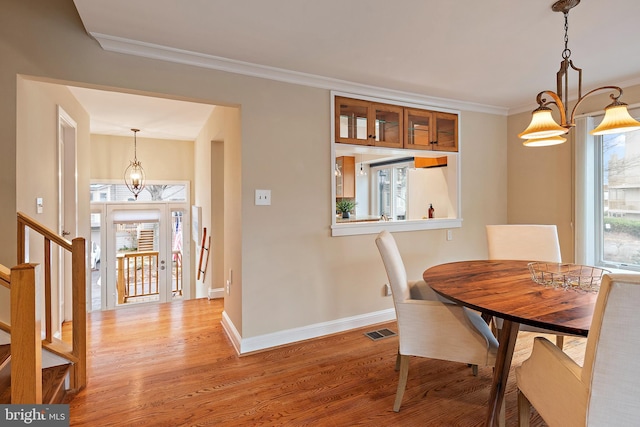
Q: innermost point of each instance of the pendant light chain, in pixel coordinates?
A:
(135, 145)
(566, 53)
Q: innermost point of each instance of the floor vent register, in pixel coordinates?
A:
(380, 334)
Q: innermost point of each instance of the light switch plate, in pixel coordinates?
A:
(263, 197)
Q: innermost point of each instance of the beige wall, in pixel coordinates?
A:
(218, 178)
(37, 166)
(288, 271)
(540, 179)
(162, 159)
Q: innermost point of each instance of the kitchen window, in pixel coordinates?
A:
(390, 190)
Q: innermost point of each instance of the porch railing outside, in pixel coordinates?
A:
(138, 275)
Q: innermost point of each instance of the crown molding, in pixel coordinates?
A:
(164, 53)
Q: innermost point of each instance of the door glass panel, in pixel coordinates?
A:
(176, 254)
(96, 252)
(137, 252)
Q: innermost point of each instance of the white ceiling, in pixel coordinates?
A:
(114, 113)
(497, 53)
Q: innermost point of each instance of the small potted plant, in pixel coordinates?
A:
(345, 206)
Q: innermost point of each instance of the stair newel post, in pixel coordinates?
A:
(79, 334)
(26, 340)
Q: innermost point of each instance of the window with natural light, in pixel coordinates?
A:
(608, 197)
(390, 186)
(620, 195)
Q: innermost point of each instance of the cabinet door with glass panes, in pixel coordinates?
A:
(419, 129)
(368, 123)
(430, 130)
(387, 125)
(445, 131)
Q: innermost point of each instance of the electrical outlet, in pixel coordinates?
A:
(263, 197)
(228, 287)
(449, 234)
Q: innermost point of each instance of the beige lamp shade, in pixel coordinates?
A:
(543, 142)
(542, 125)
(616, 120)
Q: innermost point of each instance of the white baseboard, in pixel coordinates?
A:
(231, 331)
(215, 293)
(261, 342)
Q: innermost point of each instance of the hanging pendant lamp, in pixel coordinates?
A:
(134, 177)
(543, 129)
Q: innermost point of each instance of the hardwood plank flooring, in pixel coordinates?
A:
(172, 365)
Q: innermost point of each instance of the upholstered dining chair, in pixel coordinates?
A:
(604, 391)
(429, 327)
(525, 242)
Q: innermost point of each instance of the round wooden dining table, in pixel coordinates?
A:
(505, 289)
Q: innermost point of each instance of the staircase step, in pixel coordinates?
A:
(5, 375)
(5, 354)
(53, 390)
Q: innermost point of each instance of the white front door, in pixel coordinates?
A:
(145, 255)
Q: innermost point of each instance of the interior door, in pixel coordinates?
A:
(67, 210)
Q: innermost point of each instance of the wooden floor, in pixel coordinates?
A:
(172, 365)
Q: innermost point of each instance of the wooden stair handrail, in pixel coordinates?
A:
(43, 230)
(5, 276)
(77, 352)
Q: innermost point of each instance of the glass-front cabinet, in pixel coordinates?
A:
(368, 123)
(419, 134)
(430, 130)
(352, 121)
(388, 126)
(446, 132)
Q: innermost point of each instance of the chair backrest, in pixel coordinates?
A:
(525, 242)
(396, 273)
(610, 366)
